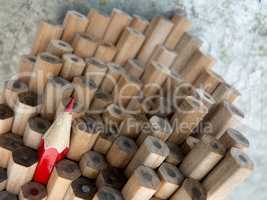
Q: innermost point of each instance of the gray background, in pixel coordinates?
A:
(234, 32)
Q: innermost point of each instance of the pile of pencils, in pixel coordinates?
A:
(119, 107)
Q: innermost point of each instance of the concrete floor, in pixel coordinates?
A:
(234, 32)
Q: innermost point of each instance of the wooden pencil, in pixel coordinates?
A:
(156, 33)
(73, 66)
(151, 153)
(6, 118)
(81, 188)
(84, 135)
(59, 47)
(185, 48)
(32, 191)
(27, 106)
(35, 129)
(170, 180)
(12, 89)
(46, 32)
(21, 168)
(62, 176)
(190, 190)
(139, 24)
(92, 163)
(128, 45)
(8, 144)
(84, 45)
(142, 184)
(181, 25)
(3, 178)
(98, 23)
(118, 21)
(74, 22)
(26, 66)
(46, 65)
(228, 174)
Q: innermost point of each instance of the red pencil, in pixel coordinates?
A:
(54, 145)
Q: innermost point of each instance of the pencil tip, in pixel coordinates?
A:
(70, 105)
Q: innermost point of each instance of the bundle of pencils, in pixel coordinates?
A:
(119, 107)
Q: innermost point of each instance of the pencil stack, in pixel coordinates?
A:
(149, 118)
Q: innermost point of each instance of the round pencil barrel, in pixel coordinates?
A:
(32, 191)
(81, 188)
(121, 152)
(27, 106)
(35, 129)
(21, 167)
(142, 184)
(61, 178)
